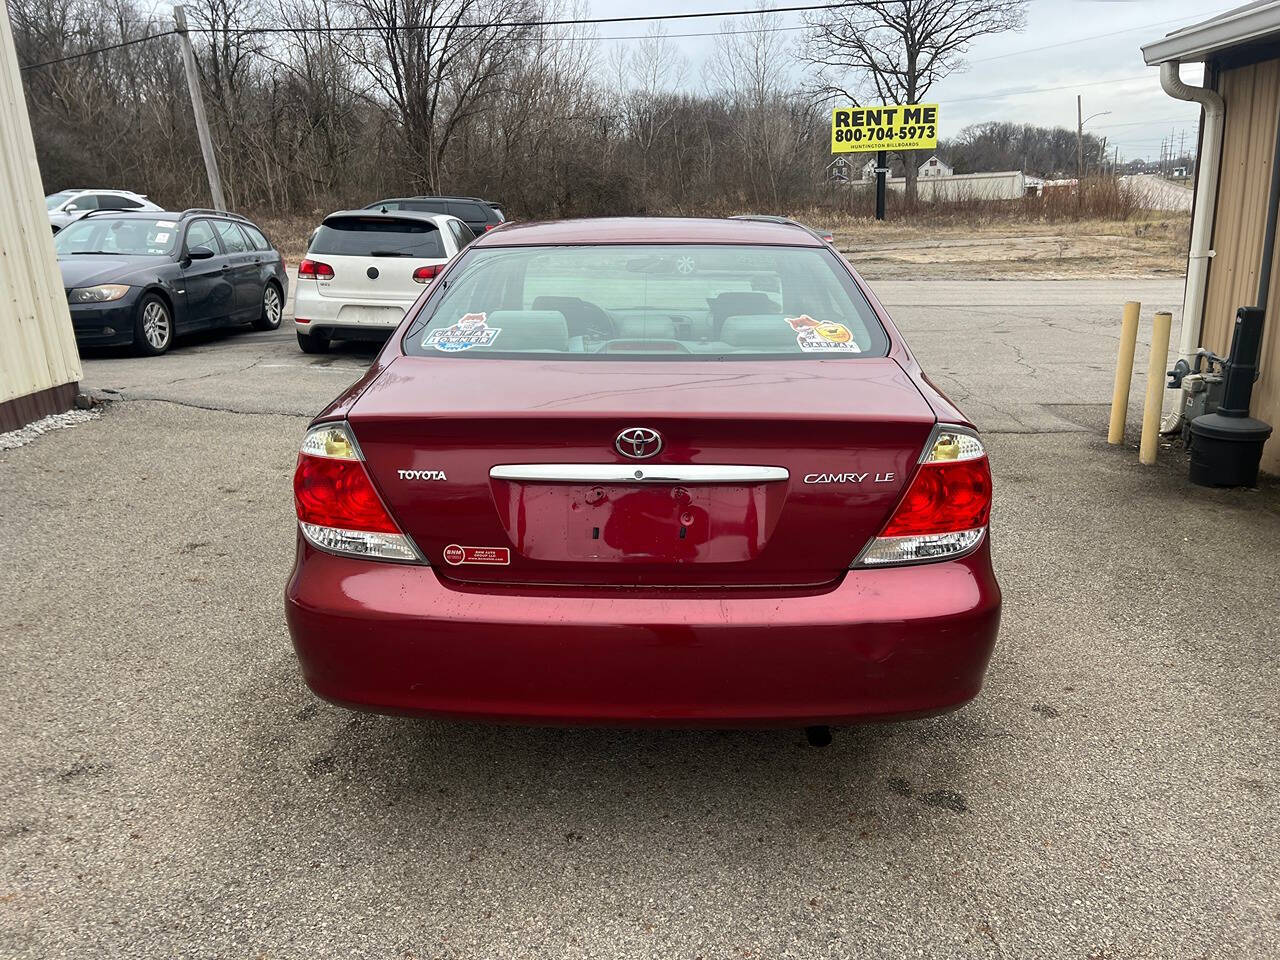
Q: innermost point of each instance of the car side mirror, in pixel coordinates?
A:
(70, 207)
(199, 253)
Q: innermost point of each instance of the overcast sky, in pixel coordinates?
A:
(1093, 50)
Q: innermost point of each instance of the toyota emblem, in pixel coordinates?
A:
(638, 443)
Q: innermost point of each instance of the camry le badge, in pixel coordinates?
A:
(638, 442)
(847, 477)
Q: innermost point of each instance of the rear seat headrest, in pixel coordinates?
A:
(530, 330)
(758, 330)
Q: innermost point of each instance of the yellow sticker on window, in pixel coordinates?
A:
(825, 336)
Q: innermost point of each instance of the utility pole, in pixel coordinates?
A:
(1079, 138)
(1081, 120)
(197, 108)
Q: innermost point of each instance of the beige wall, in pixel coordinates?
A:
(37, 345)
(1252, 96)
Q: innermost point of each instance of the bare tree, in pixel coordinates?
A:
(748, 71)
(895, 50)
(644, 79)
(437, 63)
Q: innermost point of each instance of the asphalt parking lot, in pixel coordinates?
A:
(171, 789)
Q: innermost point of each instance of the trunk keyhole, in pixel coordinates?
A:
(595, 533)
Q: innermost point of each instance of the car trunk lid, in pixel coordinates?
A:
(374, 257)
(770, 473)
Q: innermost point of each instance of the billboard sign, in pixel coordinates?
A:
(912, 126)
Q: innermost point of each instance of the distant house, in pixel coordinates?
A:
(933, 167)
(893, 162)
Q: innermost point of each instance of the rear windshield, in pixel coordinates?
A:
(647, 301)
(378, 237)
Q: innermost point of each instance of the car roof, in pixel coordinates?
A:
(610, 230)
(176, 216)
(435, 196)
(367, 214)
(774, 218)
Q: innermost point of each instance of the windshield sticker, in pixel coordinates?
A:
(828, 337)
(162, 238)
(166, 223)
(470, 331)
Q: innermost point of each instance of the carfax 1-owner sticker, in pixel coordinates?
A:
(470, 331)
(912, 126)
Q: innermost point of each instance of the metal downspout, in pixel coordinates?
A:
(1269, 238)
(1206, 206)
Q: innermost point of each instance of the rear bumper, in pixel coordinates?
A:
(325, 315)
(878, 644)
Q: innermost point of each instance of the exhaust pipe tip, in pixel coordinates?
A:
(818, 736)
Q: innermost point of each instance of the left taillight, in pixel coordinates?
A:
(338, 508)
(947, 507)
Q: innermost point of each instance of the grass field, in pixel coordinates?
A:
(1153, 247)
(952, 248)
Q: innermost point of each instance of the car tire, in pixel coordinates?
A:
(313, 343)
(272, 309)
(153, 330)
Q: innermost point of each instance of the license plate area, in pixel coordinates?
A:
(639, 523)
(367, 316)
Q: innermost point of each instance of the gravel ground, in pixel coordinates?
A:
(169, 787)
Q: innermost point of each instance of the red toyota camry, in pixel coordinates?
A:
(645, 471)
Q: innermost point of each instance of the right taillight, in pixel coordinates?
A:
(946, 508)
(314, 270)
(427, 274)
(338, 508)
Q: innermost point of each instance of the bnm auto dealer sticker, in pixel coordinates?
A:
(454, 554)
(470, 331)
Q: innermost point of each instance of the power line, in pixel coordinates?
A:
(1139, 123)
(500, 24)
(1029, 90)
(571, 22)
(1098, 36)
(96, 50)
(246, 31)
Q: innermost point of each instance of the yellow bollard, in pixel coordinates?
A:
(1124, 371)
(1153, 409)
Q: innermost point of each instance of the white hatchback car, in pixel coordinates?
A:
(68, 206)
(365, 268)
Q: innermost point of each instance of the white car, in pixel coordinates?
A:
(68, 206)
(365, 268)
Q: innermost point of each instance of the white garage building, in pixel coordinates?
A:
(39, 363)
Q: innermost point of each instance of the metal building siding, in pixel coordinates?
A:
(37, 344)
(1252, 97)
